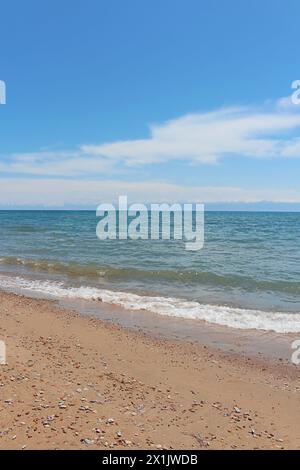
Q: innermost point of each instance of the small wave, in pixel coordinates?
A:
(42, 265)
(169, 306)
(26, 229)
(94, 271)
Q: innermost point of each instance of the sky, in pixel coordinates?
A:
(161, 100)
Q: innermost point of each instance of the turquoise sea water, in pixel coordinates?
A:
(247, 275)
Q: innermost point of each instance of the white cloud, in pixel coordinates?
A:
(60, 192)
(204, 138)
(71, 164)
(70, 177)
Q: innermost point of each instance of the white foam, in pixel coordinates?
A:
(169, 306)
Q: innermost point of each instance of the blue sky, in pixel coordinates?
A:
(160, 100)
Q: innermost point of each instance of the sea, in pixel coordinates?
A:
(246, 276)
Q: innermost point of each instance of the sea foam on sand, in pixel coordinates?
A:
(169, 306)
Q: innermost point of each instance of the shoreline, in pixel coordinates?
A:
(267, 345)
(231, 315)
(79, 382)
(253, 342)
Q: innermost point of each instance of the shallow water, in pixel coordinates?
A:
(246, 276)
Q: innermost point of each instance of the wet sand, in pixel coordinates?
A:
(72, 381)
(253, 343)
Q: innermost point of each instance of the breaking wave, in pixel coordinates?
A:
(169, 306)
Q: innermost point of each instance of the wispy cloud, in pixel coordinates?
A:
(89, 174)
(61, 192)
(207, 137)
(199, 138)
(63, 163)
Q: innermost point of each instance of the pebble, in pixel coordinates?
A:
(85, 408)
(87, 441)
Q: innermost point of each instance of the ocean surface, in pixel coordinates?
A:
(246, 276)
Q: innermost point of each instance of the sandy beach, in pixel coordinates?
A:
(72, 382)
